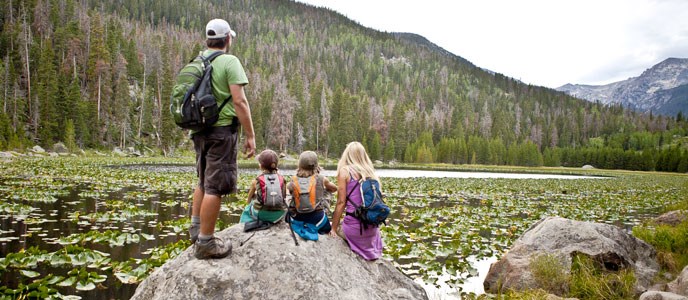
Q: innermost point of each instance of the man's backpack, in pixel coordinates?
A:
(308, 192)
(269, 191)
(193, 105)
(373, 211)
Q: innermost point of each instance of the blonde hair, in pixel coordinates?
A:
(356, 159)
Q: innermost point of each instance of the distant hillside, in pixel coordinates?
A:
(660, 89)
(99, 73)
(421, 40)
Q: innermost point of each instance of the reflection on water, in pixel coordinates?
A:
(50, 221)
(474, 284)
(80, 208)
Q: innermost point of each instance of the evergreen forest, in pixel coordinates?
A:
(98, 75)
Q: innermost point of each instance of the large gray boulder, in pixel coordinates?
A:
(659, 295)
(564, 238)
(117, 151)
(672, 218)
(270, 266)
(38, 149)
(60, 148)
(680, 284)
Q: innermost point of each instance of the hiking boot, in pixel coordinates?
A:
(193, 232)
(213, 248)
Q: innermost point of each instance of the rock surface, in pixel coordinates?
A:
(270, 266)
(680, 284)
(60, 148)
(38, 149)
(671, 218)
(563, 238)
(657, 295)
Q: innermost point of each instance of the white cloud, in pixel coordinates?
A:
(541, 42)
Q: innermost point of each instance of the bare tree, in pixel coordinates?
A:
(27, 40)
(324, 122)
(485, 121)
(283, 106)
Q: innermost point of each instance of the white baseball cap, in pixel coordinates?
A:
(218, 29)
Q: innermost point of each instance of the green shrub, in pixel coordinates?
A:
(590, 280)
(526, 295)
(549, 273)
(671, 243)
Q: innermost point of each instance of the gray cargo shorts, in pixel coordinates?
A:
(216, 155)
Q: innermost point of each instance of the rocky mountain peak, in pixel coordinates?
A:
(660, 89)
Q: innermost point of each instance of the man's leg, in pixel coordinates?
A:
(220, 181)
(196, 214)
(199, 144)
(209, 211)
(209, 246)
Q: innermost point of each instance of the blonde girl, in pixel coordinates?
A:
(353, 166)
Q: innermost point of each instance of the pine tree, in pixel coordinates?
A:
(424, 155)
(374, 148)
(69, 136)
(389, 150)
(97, 76)
(683, 163)
(345, 123)
(48, 95)
(5, 131)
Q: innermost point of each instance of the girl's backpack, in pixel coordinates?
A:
(308, 193)
(269, 191)
(373, 211)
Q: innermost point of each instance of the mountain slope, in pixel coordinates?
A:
(654, 90)
(317, 81)
(673, 100)
(421, 40)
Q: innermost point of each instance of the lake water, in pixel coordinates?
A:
(391, 173)
(55, 219)
(403, 173)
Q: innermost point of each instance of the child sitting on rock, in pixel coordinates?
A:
(267, 195)
(308, 196)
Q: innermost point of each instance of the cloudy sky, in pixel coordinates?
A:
(542, 42)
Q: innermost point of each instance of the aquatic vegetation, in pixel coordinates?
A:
(73, 224)
(127, 273)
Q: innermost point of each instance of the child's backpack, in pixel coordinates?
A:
(308, 192)
(373, 211)
(269, 191)
(193, 105)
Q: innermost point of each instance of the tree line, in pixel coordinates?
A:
(96, 74)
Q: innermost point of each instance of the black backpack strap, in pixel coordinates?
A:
(361, 225)
(287, 218)
(258, 195)
(349, 194)
(206, 62)
(211, 57)
(356, 206)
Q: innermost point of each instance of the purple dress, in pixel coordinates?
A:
(368, 244)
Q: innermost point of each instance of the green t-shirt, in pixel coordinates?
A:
(227, 70)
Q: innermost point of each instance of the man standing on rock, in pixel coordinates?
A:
(216, 148)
